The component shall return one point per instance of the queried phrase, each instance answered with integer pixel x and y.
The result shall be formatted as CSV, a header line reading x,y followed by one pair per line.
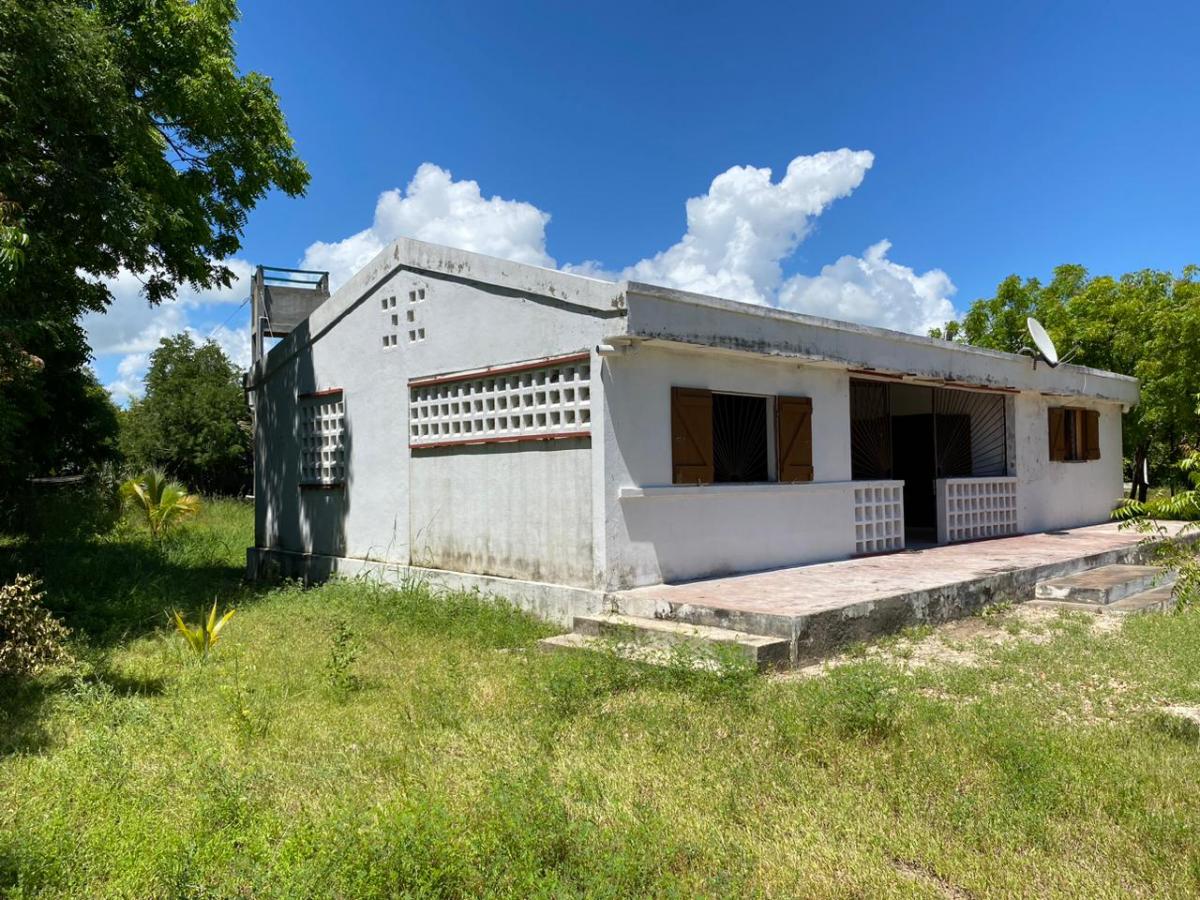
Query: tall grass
x,y
464,763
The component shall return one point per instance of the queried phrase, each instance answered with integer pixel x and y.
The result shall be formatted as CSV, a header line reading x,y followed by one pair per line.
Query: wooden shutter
x,y
691,436
1058,433
793,436
1091,432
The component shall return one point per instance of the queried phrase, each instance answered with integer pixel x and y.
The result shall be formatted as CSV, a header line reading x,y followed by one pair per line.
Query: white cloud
x,y
741,231
132,329
131,371
436,208
873,290
131,325
739,235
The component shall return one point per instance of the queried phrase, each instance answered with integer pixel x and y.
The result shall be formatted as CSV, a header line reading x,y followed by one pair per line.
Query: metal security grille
x,y
739,438
870,430
971,433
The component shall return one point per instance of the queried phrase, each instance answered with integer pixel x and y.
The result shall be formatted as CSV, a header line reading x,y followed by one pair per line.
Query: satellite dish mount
x,y
1043,348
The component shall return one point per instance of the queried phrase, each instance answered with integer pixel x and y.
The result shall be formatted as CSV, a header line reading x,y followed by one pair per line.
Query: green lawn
x,y
449,758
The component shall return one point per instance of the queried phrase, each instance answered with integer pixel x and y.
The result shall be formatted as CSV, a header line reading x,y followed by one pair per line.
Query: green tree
x,y
1145,324
193,421
128,140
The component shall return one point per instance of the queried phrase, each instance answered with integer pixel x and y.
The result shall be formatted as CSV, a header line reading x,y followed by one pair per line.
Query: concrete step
x,y
650,654
1156,599
657,638
1103,586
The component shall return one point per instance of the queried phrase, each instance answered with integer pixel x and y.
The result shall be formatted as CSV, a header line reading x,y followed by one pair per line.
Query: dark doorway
x,y
918,434
913,463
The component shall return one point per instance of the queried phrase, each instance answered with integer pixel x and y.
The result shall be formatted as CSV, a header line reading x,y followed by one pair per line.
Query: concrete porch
x,y
820,607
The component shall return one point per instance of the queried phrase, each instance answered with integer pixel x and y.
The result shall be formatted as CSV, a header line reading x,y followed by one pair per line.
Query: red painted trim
x,y
314,394
935,382
515,439
874,374
317,486
966,385
500,370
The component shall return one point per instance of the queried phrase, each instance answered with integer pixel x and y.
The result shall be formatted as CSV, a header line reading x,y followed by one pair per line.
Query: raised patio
x,y
819,607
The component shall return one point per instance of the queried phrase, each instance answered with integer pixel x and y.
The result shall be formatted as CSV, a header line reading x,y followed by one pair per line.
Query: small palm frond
x,y
162,502
203,636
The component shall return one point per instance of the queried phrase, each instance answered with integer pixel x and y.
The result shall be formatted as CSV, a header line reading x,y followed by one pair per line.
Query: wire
x,y
228,318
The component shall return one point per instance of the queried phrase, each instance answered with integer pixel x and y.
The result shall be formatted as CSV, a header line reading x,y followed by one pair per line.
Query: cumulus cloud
x,y
740,232
874,290
128,384
436,208
132,329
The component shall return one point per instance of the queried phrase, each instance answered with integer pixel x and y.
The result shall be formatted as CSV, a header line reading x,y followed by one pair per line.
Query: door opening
x,y
918,434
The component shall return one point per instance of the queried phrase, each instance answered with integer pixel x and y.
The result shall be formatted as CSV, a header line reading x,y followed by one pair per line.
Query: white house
x,y
552,438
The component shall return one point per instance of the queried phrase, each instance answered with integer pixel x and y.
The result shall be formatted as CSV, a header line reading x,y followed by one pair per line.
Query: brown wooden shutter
x,y
793,435
691,436
1091,431
1058,433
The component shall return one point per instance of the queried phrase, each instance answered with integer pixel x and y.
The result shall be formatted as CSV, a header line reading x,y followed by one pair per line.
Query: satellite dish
x,y
1042,341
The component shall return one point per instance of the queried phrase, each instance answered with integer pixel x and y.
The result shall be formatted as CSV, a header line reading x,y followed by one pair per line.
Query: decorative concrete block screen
x,y
541,400
878,516
322,438
973,508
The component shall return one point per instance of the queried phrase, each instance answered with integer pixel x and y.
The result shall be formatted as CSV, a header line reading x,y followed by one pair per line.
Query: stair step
x,y
656,638
1103,586
649,653
1157,599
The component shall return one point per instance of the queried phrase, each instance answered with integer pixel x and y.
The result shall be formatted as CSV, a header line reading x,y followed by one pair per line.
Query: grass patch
x,y
358,740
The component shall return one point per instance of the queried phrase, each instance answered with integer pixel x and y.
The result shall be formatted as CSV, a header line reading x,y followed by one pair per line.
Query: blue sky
x,y
988,139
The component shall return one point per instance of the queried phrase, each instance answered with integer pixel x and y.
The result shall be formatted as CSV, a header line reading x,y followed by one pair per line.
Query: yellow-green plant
x,y
162,502
203,636
1178,554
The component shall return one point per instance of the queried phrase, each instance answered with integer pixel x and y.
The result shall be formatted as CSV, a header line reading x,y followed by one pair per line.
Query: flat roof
x,y
658,313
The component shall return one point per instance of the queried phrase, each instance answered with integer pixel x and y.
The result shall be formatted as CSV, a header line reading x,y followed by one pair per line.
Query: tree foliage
x,y
193,421
128,140
1145,324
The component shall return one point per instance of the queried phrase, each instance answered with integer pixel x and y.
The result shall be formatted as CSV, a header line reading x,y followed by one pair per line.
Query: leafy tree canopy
x,y
193,421
1145,324
128,139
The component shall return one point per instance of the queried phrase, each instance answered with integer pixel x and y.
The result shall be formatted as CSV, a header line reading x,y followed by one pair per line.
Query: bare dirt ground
x,y
964,642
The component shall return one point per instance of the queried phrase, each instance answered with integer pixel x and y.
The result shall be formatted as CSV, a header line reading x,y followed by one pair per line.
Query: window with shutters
x,y
721,438
1074,434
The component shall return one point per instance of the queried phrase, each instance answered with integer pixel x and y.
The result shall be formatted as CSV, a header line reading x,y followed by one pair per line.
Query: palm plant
x,y
1178,554
203,636
162,502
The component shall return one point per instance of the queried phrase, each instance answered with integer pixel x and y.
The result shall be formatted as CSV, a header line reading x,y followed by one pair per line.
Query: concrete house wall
x,y
1053,495
659,531
518,511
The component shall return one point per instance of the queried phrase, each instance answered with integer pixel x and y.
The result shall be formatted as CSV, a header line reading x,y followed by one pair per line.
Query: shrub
x,y
342,656
30,637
